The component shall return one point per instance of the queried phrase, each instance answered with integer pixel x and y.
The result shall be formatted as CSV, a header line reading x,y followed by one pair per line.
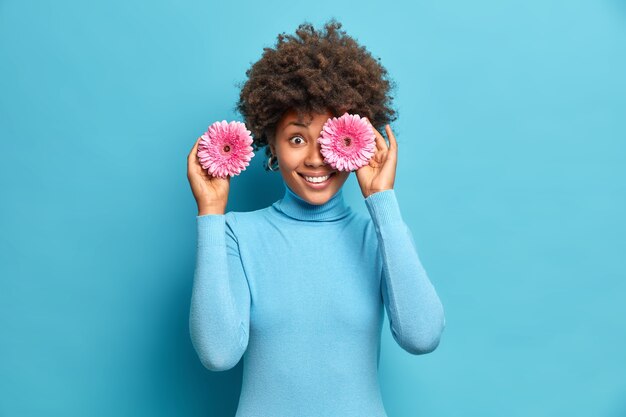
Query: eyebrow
x,y
298,124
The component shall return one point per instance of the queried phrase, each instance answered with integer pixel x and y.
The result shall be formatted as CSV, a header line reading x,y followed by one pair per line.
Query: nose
x,y
314,157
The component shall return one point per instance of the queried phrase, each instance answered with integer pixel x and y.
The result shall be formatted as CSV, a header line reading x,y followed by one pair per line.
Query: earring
x,y
270,164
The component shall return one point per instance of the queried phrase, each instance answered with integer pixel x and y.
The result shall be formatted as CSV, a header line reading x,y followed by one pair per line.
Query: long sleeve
x,y
416,315
219,316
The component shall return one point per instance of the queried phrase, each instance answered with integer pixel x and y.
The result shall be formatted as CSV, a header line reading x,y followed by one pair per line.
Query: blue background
x,y
511,175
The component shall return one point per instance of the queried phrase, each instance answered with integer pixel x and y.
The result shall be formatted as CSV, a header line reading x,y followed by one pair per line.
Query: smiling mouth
x,y
317,180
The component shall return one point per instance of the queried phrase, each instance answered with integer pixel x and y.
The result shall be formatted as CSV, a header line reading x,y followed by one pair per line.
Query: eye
x,y
296,137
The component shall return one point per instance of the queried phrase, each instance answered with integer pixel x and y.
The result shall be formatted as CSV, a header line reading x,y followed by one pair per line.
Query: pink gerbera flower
x,y
225,149
347,142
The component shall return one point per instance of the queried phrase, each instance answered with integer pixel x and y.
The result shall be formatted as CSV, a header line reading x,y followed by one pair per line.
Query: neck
x,y
296,207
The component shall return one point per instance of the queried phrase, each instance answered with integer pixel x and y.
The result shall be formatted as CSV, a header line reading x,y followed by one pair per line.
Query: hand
x,y
211,193
380,173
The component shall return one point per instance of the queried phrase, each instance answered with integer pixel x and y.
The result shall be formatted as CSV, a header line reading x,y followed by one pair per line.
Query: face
x,y
295,145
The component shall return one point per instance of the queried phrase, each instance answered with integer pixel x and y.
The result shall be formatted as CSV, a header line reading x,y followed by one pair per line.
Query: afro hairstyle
x,y
313,72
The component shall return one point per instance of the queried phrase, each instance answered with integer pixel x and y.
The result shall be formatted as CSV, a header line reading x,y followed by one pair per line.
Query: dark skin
x,y
380,173
211,193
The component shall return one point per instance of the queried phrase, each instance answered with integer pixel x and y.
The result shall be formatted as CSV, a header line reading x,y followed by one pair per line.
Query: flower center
x,y
226,148
347,141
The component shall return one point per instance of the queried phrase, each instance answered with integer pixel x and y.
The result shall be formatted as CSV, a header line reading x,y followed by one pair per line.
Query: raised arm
x,y
219,318
416,315
219,315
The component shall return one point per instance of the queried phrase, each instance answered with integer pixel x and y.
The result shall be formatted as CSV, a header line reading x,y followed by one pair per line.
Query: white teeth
x,y
316,179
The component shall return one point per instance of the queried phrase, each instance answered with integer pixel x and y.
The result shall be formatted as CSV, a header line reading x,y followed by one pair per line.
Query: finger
x,y
388,170
393,144
195,145
380,140
194,150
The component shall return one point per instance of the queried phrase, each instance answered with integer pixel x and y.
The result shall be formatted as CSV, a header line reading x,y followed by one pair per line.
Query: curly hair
x,y
312,72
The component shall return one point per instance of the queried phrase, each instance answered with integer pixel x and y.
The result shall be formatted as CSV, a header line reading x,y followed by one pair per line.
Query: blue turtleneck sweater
x,y
298,290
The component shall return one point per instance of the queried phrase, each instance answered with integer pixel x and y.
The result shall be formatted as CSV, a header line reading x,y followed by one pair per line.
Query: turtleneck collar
x,y
294,206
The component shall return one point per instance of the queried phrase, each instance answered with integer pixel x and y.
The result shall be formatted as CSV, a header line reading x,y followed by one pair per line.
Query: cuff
x,y
211,229
383,207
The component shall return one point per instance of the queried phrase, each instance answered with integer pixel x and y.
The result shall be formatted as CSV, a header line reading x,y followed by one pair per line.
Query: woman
x,y
299,288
